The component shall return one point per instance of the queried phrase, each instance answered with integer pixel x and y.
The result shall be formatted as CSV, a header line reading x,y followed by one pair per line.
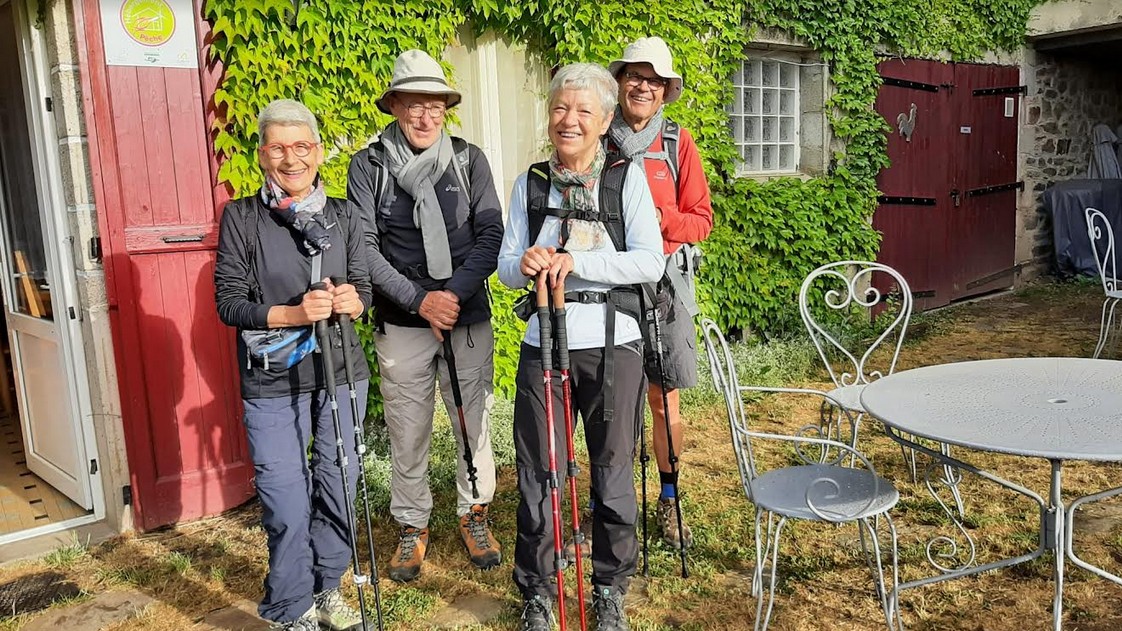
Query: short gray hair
x,y
286,112
593,77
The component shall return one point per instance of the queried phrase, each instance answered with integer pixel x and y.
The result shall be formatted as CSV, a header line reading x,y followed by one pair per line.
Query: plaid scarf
x,y
305,215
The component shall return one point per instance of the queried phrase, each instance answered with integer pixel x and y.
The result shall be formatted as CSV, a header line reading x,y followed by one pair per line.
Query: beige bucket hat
x,y
415,71
654,51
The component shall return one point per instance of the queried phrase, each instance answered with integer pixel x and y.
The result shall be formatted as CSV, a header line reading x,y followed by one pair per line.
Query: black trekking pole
x,y
546,341
346,330
672,456
327,361
561,336
458,399
644,460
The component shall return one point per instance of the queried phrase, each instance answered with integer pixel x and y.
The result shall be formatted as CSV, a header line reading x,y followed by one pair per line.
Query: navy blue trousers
x,y
303,511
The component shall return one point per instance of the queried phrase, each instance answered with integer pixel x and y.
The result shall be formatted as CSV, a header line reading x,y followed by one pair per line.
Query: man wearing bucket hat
x,y
433,230
647,81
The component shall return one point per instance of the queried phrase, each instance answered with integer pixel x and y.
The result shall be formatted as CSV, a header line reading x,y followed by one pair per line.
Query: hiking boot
x,y
334,613
607,603
537,613
586,540
667,516
475,529
405,565
306,622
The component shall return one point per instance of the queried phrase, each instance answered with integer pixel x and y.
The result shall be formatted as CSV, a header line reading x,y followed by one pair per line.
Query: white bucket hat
x,y
415,71
654,51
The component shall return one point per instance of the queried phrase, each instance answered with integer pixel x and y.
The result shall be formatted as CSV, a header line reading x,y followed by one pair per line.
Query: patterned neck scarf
x,y
305,215
577,193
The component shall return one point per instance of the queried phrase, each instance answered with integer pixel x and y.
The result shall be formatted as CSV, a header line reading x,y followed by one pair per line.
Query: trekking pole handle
x,y
545,327
323,334
450,359
560,331
348,363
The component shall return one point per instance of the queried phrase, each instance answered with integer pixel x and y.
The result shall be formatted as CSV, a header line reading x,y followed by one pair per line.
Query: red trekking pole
x,y
562,338
546,340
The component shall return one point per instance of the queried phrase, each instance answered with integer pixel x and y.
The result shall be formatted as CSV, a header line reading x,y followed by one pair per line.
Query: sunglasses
x,y
655,83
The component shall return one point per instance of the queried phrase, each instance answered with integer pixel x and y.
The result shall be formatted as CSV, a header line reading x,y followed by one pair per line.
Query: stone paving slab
x,y
467,610
93,615
240,616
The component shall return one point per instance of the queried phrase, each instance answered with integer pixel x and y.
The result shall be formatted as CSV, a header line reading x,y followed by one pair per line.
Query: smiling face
x,y
638,98
295,174
576,121
420,116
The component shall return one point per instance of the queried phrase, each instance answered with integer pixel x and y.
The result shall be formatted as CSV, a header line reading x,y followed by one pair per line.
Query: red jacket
x,y
687,214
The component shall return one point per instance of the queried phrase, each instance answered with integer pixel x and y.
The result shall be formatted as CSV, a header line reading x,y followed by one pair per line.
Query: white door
x,y
34,305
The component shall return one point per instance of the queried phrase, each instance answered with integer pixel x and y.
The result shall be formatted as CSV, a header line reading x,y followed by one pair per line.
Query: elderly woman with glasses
x,y
584,220
273,246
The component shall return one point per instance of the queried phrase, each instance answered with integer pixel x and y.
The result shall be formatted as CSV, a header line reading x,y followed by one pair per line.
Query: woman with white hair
x,y
273,246
584,220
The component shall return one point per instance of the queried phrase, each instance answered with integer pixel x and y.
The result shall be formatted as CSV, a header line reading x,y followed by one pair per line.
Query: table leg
x,y
1054,540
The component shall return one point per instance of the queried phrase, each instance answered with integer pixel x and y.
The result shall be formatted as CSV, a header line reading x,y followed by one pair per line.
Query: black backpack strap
x,y
537,198
611,199
250,231
462,164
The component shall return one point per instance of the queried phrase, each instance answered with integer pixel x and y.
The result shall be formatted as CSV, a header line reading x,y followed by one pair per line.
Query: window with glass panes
x,y
765,115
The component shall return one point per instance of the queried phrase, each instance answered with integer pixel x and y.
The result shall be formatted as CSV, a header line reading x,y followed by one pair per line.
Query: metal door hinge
x,y
93,466
986,190
95,249
904,200
1013,89
50,104
911,85
72,312
126,495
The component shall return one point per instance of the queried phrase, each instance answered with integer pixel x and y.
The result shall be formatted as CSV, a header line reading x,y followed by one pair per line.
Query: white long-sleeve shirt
x,y
599,269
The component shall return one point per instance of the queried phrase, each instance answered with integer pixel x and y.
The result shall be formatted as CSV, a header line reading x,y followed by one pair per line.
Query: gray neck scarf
x,y
633,143
417,175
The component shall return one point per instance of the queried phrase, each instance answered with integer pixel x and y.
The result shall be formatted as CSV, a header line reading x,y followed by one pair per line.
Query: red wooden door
x,y
983,227
947,209
154,174
914,202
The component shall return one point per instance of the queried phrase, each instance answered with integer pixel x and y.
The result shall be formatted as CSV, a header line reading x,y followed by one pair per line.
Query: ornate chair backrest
x,y
1102,246
818,493
723,372
877,291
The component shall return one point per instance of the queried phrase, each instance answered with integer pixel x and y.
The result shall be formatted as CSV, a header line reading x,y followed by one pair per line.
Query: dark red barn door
x,y
947,209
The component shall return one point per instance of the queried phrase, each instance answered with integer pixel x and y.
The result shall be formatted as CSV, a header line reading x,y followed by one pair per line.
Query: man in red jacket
x,y
676,178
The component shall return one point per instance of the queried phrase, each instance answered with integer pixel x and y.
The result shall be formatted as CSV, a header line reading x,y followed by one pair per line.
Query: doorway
x,y
48,464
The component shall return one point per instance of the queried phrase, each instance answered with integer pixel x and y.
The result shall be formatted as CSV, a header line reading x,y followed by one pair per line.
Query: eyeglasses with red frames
x,y
300,149
635,78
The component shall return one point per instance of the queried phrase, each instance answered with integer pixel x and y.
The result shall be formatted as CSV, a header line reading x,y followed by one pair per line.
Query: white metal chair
x,y
812,490
1102,246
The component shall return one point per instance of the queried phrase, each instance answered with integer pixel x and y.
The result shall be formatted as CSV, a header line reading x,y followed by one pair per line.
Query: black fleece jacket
x,y
282,268
396,249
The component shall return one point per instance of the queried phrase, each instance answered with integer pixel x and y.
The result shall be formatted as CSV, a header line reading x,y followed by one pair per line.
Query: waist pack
x,y
278,349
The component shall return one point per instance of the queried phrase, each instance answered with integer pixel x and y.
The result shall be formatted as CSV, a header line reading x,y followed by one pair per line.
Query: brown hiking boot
x,y
586,539
667,516
405,565
475,528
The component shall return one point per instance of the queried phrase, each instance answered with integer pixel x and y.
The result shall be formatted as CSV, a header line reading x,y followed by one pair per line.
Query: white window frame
x,y
765,114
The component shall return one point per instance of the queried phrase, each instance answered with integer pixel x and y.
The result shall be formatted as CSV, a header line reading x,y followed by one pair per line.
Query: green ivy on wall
x,y
337,57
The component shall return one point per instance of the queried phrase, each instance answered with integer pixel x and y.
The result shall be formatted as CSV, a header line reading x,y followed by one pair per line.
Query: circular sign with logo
x,y
148,22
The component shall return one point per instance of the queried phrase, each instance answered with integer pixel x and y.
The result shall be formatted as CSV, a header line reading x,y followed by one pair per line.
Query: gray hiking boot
x,y
334,613
537,613
306,622
608,605
667,517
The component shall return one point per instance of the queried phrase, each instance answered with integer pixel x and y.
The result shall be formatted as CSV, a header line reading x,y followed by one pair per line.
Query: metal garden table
x,y
1056,409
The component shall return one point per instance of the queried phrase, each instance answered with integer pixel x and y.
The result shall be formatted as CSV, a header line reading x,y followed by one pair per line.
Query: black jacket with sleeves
x,y
282,268
396,249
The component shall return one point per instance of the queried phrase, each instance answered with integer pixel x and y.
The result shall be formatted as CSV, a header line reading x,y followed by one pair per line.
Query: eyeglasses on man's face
x,y
300,149
636,78
435,110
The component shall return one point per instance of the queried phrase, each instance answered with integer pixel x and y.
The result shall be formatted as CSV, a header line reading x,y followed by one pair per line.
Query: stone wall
x,y
1066,97
60,42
